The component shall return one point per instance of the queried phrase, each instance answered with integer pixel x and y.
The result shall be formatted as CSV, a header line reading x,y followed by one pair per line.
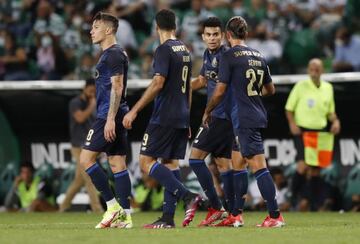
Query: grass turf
x,y
67,228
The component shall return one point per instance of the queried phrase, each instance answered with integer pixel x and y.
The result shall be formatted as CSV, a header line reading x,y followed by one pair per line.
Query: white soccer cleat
x,y
110,216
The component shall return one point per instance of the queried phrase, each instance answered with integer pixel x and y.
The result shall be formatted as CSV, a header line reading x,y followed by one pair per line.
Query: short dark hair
x,y
89,82
237,26
108,18
29,165
166,20
212,22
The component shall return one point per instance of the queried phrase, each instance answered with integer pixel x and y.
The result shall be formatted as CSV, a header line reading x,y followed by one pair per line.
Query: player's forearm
x,y
290,117
149,95
216,97
198,83
115,99
332,117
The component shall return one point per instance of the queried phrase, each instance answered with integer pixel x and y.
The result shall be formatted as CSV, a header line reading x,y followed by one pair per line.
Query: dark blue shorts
x,y
164,142
95,140
217,139
250,141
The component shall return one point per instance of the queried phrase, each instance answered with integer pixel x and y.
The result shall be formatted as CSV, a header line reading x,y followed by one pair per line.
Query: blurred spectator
x,y
270,48
82,115
30,193
50,58
86,68
347,49
47,20
310,108
13,59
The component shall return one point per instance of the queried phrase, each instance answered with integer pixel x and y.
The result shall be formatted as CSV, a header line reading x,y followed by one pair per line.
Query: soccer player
x,y
166,135
107,134
218,138
247,75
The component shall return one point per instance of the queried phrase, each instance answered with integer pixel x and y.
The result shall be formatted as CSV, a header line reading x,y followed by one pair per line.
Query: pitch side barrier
x,y
37,114
143,83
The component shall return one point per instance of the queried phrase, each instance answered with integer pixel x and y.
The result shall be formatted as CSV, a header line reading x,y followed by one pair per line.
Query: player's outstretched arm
x,y
151,92
216,98
115,98
198,83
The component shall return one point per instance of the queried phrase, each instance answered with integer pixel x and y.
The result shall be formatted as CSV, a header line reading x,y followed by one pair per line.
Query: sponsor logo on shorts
x,y
143,148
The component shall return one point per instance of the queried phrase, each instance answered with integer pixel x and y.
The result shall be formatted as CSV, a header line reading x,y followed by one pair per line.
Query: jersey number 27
x,y
251,74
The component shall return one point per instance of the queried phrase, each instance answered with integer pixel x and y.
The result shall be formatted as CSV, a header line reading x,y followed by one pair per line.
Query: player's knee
x,y
144,164
198,154
86,160
223,164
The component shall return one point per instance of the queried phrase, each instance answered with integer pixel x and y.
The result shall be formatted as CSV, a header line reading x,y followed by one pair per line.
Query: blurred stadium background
x,y
46,53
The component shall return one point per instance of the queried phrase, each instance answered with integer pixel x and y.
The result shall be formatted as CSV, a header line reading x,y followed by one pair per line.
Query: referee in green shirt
x,y
310,106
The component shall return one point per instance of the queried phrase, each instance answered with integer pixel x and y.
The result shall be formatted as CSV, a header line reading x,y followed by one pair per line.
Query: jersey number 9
x,y
184,76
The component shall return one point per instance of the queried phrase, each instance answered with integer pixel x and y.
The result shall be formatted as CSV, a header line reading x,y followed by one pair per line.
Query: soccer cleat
x,y
111,214
123,222
212,216
191,207
270,222
160,224
231,221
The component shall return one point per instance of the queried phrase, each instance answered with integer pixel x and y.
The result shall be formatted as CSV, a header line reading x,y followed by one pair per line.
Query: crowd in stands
x,y
49,39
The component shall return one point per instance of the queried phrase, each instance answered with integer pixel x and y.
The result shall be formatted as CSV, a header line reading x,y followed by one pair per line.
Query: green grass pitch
x,y
68,228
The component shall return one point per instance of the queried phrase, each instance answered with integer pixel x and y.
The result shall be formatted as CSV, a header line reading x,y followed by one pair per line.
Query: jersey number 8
x,y
251,89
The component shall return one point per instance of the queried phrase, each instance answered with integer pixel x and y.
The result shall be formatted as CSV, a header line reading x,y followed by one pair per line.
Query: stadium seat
x,y
300,47
331,174
7,177
353,182
45,171
66,178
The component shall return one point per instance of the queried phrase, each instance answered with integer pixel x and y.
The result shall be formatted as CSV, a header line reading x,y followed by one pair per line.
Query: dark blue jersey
x,y
113,61
245,71
171,108
210,71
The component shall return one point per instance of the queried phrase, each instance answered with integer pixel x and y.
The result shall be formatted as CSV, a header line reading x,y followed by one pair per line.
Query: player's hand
x,y
206,119
128,119
335,127
92,102
295,130
109,130
17,181
189,135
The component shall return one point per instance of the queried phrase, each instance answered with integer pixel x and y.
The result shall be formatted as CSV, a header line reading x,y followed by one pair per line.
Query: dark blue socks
x,y
100,180
228,182
123,188
267,190
240,189
170,200
167,179
206,181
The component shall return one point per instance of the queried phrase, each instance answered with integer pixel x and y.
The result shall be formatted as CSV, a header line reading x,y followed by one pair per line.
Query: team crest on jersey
x,y
96,74
311,103
214,62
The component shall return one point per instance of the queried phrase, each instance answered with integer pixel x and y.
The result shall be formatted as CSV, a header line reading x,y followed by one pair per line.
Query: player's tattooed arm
x,y
216,98
115,99
198,83
115,95
149,95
